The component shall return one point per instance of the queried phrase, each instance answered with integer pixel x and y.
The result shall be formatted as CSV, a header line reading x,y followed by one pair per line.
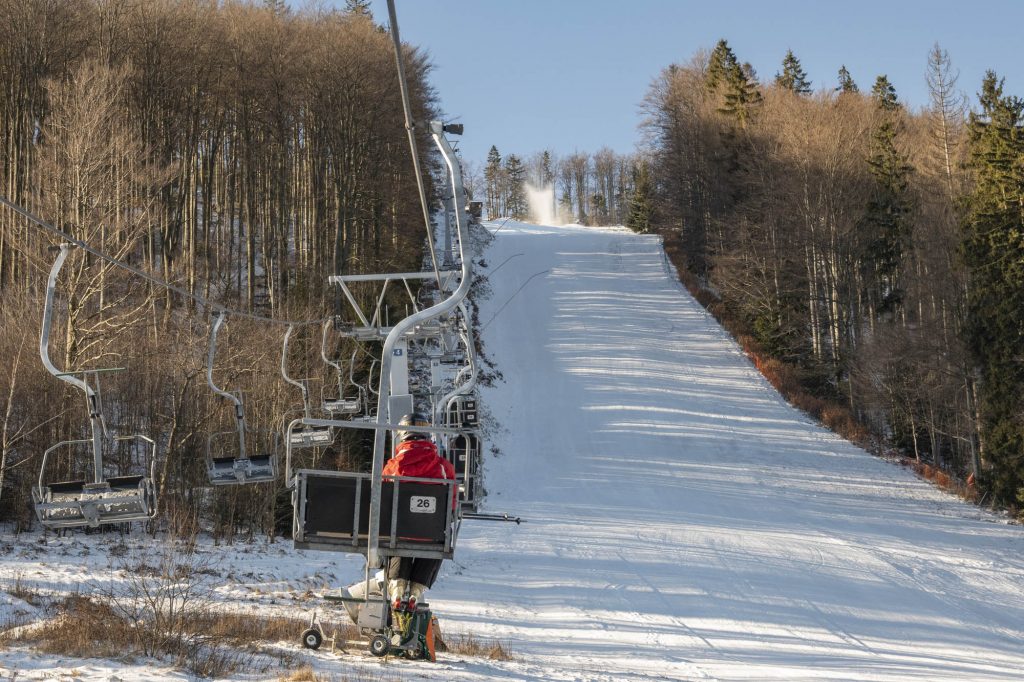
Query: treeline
x,y
240,150
870,254
590,189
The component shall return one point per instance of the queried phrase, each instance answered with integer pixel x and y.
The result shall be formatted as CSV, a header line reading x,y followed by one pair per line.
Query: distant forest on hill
x,y
871,258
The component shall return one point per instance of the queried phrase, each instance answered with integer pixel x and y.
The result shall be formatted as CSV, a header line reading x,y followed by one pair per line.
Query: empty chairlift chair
x,y
103,499
241,467
351,404
306,436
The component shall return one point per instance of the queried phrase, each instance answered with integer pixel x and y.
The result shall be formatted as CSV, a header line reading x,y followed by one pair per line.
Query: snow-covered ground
x,y
683,522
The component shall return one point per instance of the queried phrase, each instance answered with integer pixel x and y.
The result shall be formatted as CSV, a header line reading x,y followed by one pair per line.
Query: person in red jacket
x,y
415,456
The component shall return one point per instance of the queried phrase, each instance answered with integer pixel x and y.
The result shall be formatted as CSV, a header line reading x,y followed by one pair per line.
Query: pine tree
x,y
547,171
993,249
515,172
887,220
884,94
740,95
735,83
846,84
793,77
641,202
721,62
359,8
493,176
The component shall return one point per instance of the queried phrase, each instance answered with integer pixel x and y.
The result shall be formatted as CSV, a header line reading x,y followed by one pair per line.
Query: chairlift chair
x,y
80,503
242,468
308,436
368,513
354,403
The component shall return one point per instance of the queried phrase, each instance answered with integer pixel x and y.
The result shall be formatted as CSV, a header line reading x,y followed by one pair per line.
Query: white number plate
x,y
422,504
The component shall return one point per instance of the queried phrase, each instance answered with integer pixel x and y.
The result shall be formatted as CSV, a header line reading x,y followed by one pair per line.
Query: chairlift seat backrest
x,y
124,481
332,512
343,405
66,487
312,435
232,470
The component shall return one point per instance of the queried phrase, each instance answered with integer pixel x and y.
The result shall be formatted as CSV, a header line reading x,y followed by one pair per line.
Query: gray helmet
x,y
414,419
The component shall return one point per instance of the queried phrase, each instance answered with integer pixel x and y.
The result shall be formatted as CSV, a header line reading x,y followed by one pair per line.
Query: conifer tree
x,y
884,94
493,177
720,64
847,86
740,95
547,171
358,8
793,76
641,202
515,172
993,249
887,220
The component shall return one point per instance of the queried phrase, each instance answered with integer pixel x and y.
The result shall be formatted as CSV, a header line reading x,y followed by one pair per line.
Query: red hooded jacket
x,y
419,459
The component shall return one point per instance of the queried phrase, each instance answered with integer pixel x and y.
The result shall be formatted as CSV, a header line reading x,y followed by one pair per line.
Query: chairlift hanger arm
x,y
284,371
44,335
409,323
219,318
218,321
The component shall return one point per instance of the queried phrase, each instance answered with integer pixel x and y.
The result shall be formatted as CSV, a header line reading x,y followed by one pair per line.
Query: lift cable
x,y
211,305
410,129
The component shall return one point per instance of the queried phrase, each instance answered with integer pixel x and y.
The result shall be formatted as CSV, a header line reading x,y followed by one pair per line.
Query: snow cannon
x,y
408,631
354,596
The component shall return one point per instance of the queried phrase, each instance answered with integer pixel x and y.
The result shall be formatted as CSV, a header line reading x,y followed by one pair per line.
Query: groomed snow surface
x,y
683,522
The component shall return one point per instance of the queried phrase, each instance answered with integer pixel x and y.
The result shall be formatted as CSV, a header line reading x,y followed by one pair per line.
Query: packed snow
x,y
682,522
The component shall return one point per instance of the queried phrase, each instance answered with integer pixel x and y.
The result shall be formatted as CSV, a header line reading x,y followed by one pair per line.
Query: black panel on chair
x,y
414,521
330,504
458,450
124,481
67,487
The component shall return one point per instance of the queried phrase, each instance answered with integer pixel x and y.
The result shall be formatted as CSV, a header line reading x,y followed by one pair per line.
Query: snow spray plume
x,y
543,210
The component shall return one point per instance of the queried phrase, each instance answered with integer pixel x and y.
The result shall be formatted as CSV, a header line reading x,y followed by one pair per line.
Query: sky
x,y
568,75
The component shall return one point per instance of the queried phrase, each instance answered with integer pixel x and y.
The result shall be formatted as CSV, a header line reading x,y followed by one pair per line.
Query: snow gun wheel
x,y
379,646
312,639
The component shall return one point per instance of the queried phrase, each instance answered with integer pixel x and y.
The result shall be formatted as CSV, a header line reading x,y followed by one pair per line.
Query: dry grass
x,y
88,627
25,593
303,674
240,628
470,645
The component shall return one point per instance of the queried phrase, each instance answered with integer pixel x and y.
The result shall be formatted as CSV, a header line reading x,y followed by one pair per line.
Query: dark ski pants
x,y
416,570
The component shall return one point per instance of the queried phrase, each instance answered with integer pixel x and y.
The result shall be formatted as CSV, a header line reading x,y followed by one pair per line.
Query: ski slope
x,y
684,522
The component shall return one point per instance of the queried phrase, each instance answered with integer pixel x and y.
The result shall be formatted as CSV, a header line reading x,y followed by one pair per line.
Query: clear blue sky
x,y
569,74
